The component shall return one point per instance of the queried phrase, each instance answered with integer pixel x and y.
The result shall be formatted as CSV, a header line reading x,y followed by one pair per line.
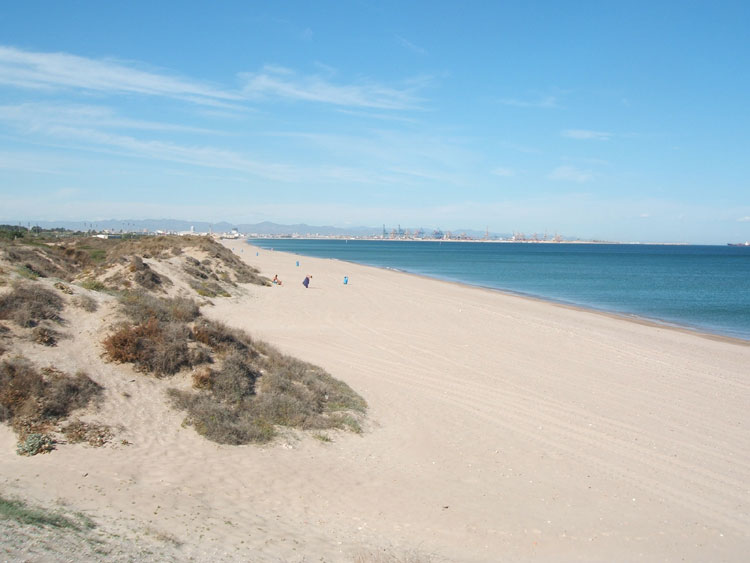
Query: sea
x,y
703,288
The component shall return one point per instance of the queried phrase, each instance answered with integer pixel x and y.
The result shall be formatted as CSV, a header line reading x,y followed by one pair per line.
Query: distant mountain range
x,y
264,228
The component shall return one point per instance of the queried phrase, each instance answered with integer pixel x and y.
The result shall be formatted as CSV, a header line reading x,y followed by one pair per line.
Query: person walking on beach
x,y
306,281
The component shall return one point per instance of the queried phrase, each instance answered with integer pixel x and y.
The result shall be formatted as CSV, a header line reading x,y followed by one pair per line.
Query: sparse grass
x,y
19,511
26,272
28,303
389,556
93,285
209,289
140,307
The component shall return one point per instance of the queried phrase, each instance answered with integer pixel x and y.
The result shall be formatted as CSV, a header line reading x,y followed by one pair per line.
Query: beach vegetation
x,y
85,302
19,511
29,303
242,389
32,401
45,336
93,434
257,389
93,285
35,443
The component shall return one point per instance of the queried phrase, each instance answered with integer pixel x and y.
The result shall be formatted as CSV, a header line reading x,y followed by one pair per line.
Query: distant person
x,y
306,281
276,279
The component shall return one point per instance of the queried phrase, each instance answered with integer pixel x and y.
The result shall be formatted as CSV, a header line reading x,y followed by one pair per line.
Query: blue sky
x,y
618,121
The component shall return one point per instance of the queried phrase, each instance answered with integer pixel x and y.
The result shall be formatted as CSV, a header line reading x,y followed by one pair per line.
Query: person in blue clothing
x,y
306,281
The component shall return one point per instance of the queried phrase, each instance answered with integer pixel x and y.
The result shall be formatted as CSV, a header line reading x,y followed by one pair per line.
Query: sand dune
x,y
500,428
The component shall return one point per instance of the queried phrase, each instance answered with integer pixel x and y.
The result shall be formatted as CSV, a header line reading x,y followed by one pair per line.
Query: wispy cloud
x,y
571,174
503,172
53,71
744,219
35,116
411,46
285,83
546,102
586,135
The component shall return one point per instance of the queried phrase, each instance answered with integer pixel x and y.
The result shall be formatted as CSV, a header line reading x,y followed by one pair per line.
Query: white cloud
x,y
411,46
35,116
571,174
52,71
744,219
504,172
586,135
284,83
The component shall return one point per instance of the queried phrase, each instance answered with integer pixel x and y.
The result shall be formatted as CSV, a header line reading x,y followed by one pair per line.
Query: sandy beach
x,y
499,428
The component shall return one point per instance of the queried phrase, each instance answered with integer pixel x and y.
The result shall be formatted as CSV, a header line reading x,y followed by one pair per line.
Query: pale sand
x,y
500,429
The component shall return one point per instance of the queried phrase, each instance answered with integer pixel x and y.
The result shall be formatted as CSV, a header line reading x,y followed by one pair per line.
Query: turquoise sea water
x,y
706,288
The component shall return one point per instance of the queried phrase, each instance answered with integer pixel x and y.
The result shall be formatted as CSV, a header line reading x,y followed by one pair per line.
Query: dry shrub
x,y
235,380
45,336
141,306
221,338
93,434
202,378
154,346
28,303
64,288
41,261
257,388
31,402
63,393
149,279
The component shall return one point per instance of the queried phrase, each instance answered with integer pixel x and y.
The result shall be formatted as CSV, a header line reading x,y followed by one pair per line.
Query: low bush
x,y
257,389
45,336
35,444
28,303
141,306
93,434
221,338
153,346
31,401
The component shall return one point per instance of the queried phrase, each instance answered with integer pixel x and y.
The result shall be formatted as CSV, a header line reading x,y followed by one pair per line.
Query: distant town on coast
x,y
118,228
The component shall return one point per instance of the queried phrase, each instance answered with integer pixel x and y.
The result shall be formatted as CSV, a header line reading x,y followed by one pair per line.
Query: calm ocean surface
x,y
701,287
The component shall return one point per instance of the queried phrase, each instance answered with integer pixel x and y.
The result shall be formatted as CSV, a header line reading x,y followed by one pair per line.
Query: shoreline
x,y
630,317
504,427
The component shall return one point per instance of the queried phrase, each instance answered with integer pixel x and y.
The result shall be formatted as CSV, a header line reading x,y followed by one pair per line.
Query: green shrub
x,y
35,444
